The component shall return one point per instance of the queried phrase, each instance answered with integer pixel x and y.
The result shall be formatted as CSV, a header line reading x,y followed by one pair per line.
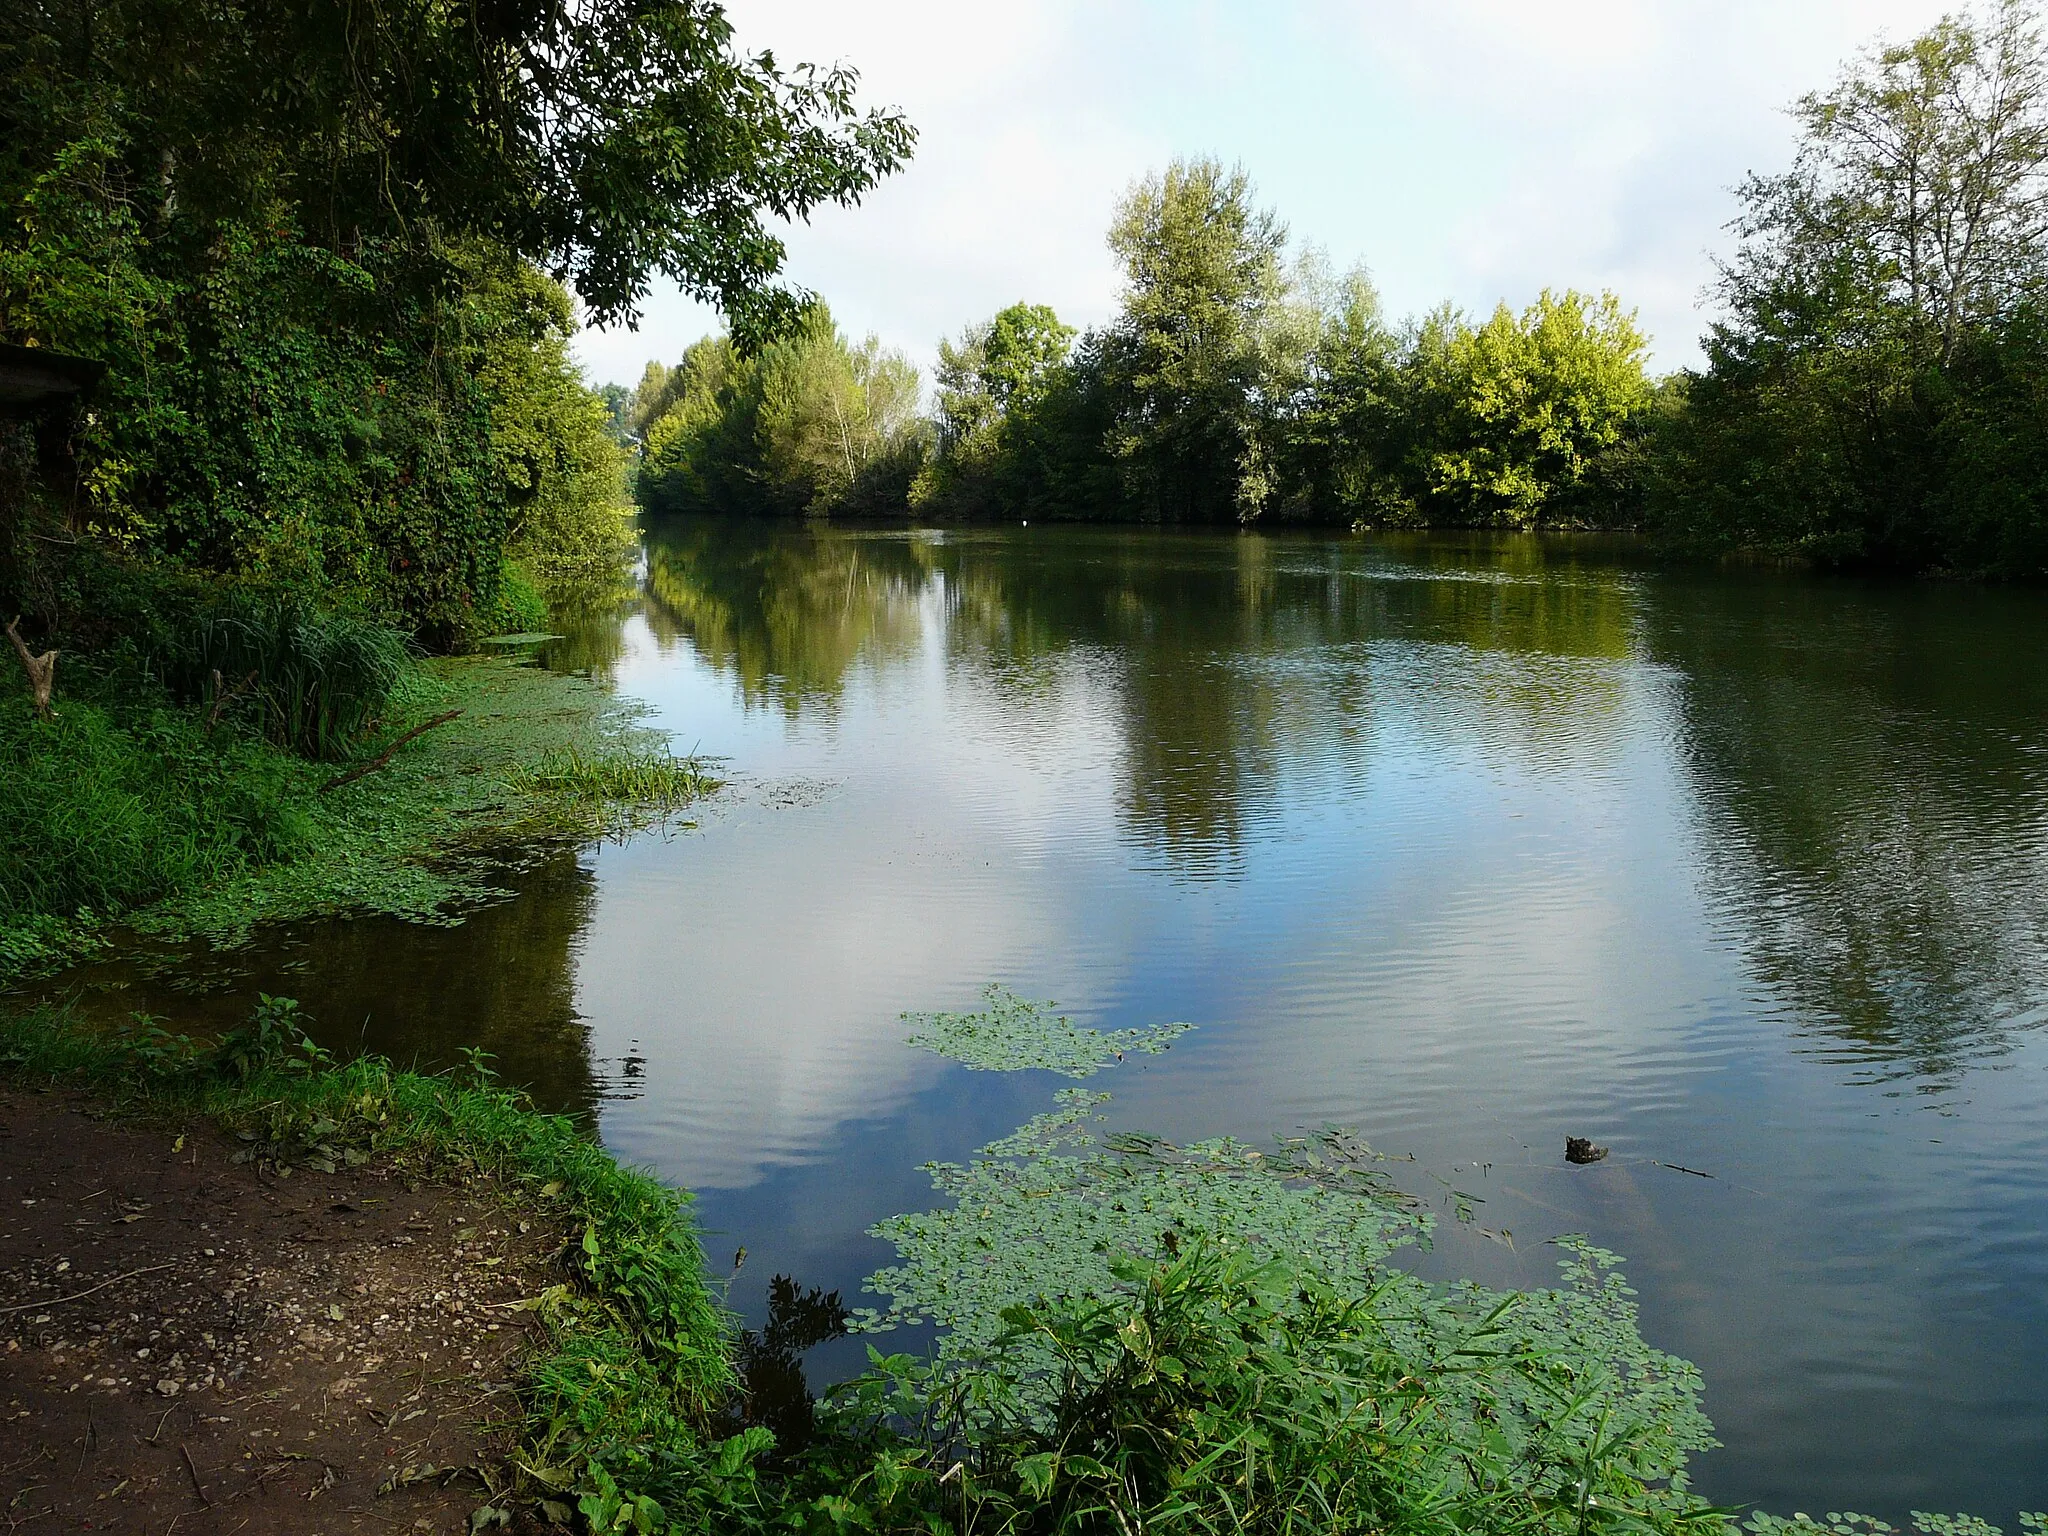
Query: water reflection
x,y
785,608
504,982
1867,760
1870,771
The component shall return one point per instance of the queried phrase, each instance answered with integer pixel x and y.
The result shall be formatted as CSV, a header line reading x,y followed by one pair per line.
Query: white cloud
x,y
1466,149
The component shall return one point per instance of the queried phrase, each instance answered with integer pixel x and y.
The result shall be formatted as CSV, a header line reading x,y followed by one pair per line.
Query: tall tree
x,y
1185,362
291,230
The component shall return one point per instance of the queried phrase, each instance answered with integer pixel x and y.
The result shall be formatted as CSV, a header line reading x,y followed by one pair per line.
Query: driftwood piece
x,y
224,695
389,752
42,670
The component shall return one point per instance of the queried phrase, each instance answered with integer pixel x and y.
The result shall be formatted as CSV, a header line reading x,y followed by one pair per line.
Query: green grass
x,y
102,815
623,775
141,817
315,679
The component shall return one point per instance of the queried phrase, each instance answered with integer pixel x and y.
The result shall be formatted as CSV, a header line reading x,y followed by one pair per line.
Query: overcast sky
x,y
1471,150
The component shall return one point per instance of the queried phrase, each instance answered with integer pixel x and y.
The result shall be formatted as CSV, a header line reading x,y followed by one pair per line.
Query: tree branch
x,y
42,670
388,753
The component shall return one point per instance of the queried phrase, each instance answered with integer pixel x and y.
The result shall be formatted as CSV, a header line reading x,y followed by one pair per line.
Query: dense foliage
x,y
1233,386
320,250
805,423
1877,389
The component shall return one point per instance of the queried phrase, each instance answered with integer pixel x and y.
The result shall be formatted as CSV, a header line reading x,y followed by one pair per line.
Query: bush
x,y
303,669
1228,1393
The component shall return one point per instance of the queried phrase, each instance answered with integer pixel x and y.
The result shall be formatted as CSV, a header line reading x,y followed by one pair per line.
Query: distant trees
x,y
1523,421
1187,367
1875,391
1877,388
1235,386
807,423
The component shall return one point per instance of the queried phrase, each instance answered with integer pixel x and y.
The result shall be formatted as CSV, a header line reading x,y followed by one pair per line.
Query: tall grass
x,y
298,663
316,677
621,774
99,815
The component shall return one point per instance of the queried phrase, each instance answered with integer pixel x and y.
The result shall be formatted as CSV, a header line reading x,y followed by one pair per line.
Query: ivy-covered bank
x,y
1140,1337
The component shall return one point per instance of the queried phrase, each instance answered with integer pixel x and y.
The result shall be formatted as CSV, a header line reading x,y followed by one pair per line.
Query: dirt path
x,y
189,1345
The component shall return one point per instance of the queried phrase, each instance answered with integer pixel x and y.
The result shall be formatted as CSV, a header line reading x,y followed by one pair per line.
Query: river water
x,y
1468,843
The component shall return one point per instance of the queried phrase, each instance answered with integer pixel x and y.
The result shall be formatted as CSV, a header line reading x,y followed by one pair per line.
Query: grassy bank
x,y
640,1351
198,819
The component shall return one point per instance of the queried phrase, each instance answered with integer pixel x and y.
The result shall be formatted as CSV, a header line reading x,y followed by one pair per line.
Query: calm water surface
x,y
1466,843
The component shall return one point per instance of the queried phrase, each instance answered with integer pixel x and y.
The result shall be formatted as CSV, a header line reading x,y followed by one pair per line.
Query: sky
x,y
1470,150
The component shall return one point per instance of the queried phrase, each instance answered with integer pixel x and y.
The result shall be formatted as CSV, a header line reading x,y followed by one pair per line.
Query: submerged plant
x,y
1013,1033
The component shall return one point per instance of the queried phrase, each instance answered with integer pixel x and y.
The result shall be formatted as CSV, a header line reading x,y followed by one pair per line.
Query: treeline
x,y
321,251
1235,386
1875,390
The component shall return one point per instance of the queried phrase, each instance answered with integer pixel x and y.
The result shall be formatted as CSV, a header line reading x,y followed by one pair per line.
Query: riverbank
x,y
191,1339
342,1282
208,831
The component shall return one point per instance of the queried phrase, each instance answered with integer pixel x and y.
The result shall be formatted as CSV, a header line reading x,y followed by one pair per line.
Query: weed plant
x,y
1013,1033
625,775
316,678
293,664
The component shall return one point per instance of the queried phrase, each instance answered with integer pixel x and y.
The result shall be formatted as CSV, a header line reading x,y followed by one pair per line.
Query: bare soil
x,y
191,1345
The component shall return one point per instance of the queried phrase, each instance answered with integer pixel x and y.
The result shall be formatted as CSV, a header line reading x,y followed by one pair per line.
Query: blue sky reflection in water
x,y
1466,843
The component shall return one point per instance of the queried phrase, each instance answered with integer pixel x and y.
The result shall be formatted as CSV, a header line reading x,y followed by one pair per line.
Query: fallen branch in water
x,y
389,752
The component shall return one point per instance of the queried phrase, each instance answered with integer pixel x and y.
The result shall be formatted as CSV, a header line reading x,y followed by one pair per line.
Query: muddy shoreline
x,y
193,1340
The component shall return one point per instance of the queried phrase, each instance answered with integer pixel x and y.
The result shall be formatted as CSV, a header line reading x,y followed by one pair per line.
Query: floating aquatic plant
x,y
1039,1214
1013,1034
1054,1277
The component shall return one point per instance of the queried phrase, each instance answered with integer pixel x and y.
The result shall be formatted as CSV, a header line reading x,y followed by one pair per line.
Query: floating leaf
x,y
1014,1034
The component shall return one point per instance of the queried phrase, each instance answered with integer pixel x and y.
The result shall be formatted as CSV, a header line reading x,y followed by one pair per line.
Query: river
x,y
1469,843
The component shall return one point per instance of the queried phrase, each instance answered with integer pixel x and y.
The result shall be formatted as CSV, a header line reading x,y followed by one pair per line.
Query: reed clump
x,y
651,776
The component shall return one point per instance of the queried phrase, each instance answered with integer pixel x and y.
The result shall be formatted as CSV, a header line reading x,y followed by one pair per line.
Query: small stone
x,y
168,1387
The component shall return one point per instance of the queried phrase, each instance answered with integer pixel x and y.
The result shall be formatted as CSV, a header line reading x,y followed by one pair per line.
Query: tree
x,y
1185,364
605,140
1921,183
288,230
1518,412
805,424
1871,383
